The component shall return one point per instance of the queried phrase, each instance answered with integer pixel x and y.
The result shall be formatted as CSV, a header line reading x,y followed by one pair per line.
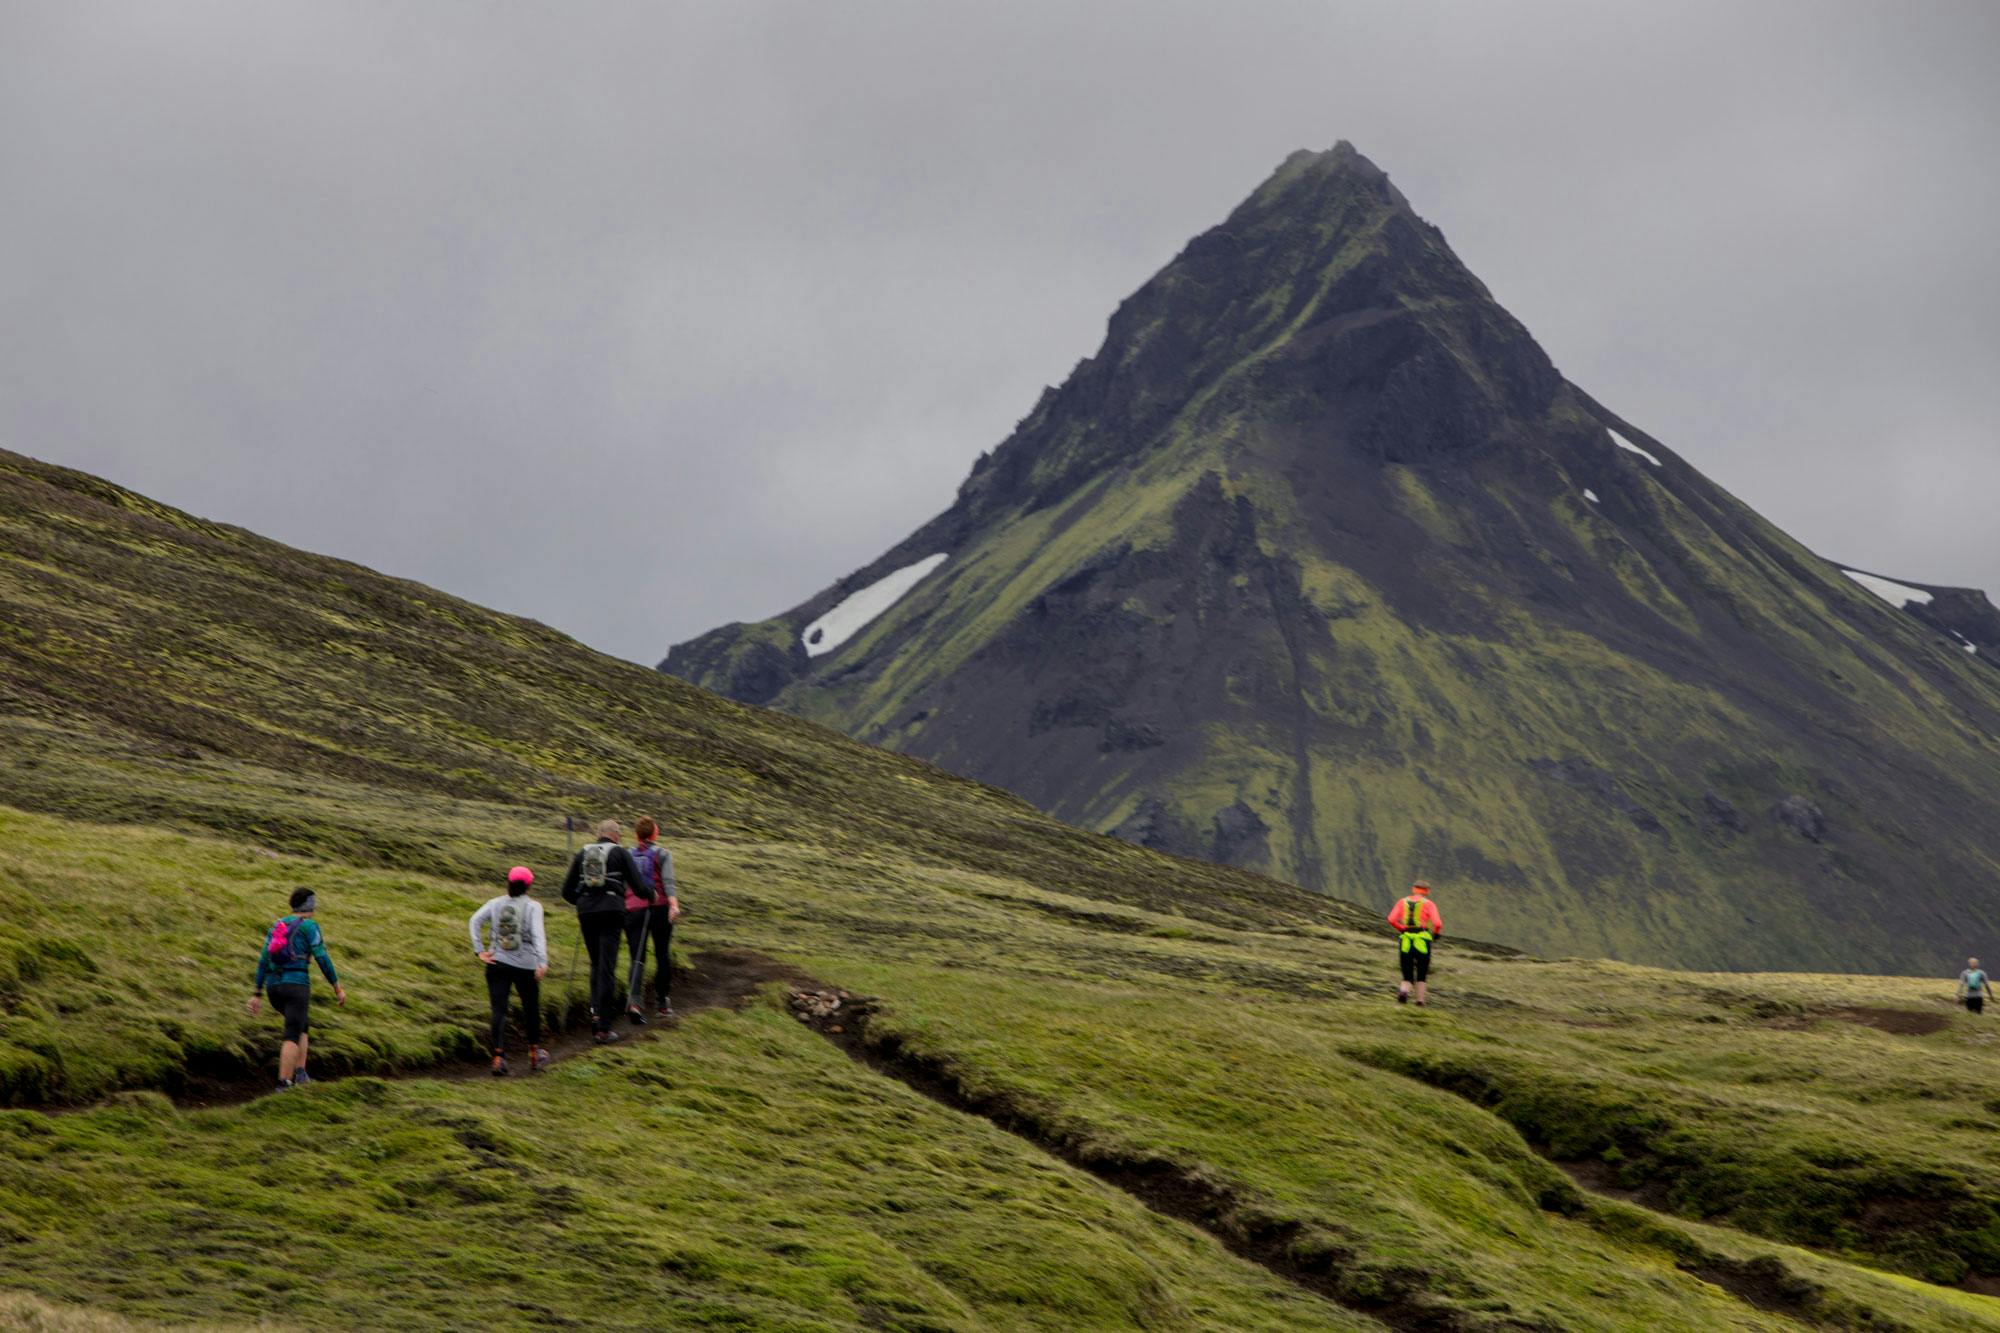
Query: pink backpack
x,y
286,943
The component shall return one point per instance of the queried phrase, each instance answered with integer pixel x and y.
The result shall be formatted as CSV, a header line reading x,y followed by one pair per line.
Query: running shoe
x,y
1402,997
538,1060
636,1014
300,1079
284,1085
499,1064
605,1038
666,1010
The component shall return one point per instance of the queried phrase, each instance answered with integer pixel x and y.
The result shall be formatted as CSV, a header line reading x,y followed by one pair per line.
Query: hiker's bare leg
x,y
305,1044
1423,992
288,1061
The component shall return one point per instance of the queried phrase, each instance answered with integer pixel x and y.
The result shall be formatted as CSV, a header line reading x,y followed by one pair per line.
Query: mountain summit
x,y
1321,568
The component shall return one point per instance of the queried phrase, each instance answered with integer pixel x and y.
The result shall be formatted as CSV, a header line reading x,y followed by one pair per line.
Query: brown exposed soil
x,y
1764,1283
1897,1022
1602,1178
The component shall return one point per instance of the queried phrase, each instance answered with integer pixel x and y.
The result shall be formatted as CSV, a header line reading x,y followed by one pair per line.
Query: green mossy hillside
x,y
1156,1030
1245,1056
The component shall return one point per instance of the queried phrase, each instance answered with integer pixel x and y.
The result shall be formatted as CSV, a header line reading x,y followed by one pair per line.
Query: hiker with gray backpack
x,y
599,874
516,958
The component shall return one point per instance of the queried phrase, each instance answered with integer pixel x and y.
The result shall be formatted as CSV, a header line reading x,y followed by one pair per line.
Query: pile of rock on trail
x,y
822,1008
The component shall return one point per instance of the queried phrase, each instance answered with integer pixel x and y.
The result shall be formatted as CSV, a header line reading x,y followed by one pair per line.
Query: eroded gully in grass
x,y
1765,1282
1169,1188
1163,1186
731,979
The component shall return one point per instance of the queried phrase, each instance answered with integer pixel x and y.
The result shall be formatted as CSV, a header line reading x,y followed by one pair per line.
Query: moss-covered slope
x,y
1221,1121
1319,567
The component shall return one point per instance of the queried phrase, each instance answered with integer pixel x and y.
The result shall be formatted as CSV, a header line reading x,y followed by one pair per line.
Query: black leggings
x,y
502,979
600,937
640,926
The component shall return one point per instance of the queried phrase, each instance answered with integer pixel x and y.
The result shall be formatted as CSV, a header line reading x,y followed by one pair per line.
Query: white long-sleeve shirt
x,y
534,950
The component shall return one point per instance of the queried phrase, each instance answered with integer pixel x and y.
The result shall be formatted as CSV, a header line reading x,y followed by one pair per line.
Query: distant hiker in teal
x,y
599,874
284,972
651,917
516,958
1417,924
1972,986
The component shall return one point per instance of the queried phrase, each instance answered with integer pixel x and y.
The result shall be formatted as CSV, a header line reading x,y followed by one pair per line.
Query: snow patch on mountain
x,y
1895,594
1630,447
857,609
1590,496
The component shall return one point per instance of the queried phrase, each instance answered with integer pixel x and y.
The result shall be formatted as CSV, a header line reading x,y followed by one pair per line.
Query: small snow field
x,y
1590,496
1895,594
854,612
1630,447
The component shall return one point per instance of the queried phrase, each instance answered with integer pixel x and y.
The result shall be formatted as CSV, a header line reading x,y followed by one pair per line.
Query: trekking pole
x,y
569,986
637,974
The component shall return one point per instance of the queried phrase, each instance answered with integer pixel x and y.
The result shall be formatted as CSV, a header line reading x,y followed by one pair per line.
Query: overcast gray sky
x,y
442,288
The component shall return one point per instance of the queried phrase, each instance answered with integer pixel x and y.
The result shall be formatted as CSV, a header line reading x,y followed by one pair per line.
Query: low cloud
x,y
637,319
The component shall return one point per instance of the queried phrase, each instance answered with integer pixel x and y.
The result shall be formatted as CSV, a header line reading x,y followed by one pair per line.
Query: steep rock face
x,y
1319,567
1966,615
1963,615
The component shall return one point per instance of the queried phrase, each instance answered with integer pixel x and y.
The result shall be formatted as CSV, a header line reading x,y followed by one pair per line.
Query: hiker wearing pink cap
x,y
516,958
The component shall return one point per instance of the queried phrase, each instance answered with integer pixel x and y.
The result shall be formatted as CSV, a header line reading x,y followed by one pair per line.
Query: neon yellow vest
x,y
1415,935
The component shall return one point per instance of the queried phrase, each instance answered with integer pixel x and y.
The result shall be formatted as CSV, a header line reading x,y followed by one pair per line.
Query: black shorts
x,y
1976,1003
1416,964
295,1003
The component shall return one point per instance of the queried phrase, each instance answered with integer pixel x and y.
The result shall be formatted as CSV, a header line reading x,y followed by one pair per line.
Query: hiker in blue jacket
x,y
284,972
1972,986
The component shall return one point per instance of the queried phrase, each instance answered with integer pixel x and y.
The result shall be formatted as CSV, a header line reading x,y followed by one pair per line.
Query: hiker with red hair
x,y
651,920
1417,924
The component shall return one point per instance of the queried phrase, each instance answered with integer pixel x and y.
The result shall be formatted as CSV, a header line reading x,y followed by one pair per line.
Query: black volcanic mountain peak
x,y
1320,567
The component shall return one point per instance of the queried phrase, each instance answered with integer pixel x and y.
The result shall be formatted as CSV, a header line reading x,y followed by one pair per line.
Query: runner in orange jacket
x,y
1417,923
